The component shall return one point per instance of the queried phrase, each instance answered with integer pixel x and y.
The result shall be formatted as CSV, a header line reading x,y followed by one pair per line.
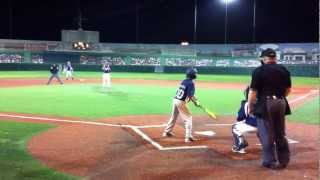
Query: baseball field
x,y
80,130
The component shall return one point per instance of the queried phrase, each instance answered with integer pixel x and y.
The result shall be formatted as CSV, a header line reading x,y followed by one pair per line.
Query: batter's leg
x,y
187,119
172,121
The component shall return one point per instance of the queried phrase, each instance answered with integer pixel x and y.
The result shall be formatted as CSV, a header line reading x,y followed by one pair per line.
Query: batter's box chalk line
x,y
290,141
136,129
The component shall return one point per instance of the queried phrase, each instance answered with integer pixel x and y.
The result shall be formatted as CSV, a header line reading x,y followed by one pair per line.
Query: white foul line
x,y
304,96
62,120
290,102
134,128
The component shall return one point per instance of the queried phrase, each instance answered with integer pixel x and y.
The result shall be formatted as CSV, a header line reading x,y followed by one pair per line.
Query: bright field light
x,y
227,1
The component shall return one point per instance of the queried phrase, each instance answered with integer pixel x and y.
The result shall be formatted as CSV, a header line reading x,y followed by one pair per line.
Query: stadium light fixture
x,y
227,1
184,43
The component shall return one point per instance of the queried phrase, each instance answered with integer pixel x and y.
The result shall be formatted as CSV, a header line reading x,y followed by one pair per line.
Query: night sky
x,y
163,21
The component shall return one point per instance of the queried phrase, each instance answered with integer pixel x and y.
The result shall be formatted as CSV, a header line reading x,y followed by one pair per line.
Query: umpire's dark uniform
x,y
54,74
271,83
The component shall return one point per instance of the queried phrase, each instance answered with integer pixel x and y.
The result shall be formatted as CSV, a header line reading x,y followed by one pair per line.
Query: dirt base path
x,y
113,149
95,151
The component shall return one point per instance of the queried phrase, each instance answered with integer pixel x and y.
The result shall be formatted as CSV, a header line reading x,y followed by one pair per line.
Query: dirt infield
x,y
105,152
112,148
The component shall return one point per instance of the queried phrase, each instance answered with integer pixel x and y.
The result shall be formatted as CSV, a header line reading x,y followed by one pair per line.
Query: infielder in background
x,y
69,70
184,94
54,74
246,124
106,77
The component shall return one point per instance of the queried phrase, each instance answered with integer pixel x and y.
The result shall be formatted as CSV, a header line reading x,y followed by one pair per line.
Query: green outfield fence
x,y
295,70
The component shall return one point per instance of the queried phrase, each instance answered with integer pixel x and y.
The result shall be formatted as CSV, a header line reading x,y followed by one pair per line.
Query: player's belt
x,y
274,97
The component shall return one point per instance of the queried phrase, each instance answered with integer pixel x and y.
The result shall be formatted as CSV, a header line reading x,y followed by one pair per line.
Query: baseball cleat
x,y
238,150
190,139
167,134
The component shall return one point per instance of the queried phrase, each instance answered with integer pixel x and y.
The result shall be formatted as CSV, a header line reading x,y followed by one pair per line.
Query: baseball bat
x,y
210,113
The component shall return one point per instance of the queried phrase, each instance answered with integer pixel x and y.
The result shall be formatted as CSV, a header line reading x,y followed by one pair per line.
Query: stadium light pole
x,y
226,2
10,17
195,22
254,22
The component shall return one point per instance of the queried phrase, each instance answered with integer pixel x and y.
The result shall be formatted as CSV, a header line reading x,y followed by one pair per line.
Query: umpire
x,y
270,85
54,74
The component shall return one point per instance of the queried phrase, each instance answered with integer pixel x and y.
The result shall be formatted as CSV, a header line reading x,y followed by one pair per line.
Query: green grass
x,y
309,113
15,162
297,81
90,101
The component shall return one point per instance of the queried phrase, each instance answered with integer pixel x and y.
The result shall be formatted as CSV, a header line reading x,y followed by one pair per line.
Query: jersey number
x,y
180,93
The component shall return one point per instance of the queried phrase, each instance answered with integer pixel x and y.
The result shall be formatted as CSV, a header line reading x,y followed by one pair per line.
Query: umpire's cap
x,y
191,73
268,53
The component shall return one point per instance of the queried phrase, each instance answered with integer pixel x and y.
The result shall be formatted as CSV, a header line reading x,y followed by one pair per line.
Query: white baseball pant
x,y
69,74
241,128
106,80
180,108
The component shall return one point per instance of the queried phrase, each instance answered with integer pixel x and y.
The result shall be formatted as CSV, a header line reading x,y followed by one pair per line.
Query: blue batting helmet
x,y
191,73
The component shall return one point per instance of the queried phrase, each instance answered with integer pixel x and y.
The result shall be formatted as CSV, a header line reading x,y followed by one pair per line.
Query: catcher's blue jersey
x,y
186,89
242,115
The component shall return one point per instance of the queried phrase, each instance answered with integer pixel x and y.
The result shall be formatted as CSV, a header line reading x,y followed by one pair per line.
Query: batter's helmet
x,y
191,73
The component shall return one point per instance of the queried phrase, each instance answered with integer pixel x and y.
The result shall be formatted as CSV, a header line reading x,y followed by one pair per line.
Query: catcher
x,y
246,124
184,94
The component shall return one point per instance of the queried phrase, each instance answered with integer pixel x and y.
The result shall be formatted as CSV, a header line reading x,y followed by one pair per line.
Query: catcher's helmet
x,y
191,73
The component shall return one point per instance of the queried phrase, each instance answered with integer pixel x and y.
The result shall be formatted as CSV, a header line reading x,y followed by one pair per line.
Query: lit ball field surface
x,y
91,101
86,101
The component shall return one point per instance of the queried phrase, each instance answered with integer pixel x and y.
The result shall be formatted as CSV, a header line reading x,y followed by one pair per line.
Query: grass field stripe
x,y
304,96
147,138
184,148
62,120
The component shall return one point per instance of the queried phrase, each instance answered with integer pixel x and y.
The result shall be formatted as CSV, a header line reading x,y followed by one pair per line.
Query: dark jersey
x,y
106,69
54,69
186,89
270,79
69,68
243,116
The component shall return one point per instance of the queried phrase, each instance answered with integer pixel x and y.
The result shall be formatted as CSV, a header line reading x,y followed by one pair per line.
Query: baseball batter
x,y
106,77
69,70
184,94
245,124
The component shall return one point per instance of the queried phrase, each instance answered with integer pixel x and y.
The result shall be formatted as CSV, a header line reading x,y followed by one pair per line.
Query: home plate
x,y
205,133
